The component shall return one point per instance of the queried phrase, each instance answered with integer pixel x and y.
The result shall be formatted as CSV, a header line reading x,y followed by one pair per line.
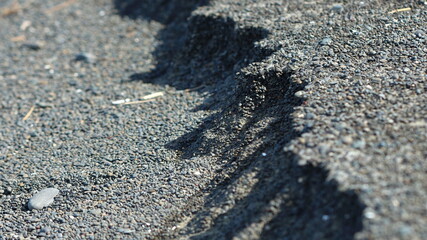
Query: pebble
x,y
370,214
300,94
325,41
325,217
324,149
125,230
85,57
43,198
420,34
337,8
405,230
96,212
347,139
359,144
310,116
45,105
31,46
45,230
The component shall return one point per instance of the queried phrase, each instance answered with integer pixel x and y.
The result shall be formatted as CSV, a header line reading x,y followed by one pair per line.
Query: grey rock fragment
x,y
337,8
125,230
43,198
45,105
45,230
300,94
359,144
85,57
420,34
96,212
325,41
32,46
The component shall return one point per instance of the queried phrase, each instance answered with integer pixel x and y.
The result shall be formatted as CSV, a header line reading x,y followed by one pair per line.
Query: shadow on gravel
x,y
195,51
285,200
281,200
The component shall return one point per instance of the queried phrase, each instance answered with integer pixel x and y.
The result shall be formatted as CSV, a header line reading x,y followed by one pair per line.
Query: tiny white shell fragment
x,y
43,198
153,95
25,24
125,230
370,214
299,94
121,101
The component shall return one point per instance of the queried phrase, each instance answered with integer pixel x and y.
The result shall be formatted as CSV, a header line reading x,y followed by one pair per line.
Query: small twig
x,y
60,6
29,113
153,95
400,10
19,38
121,101
146,98
14,8
137,102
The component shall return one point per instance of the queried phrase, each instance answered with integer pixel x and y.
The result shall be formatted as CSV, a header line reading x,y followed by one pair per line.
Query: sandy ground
x,y
214,119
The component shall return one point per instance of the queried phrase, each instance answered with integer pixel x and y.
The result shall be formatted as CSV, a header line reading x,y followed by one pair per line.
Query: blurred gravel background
x,y
276,120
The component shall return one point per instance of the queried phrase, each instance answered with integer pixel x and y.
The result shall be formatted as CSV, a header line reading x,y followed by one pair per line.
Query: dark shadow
x,y
309,206
163,11
196,51
316,209
174,15
253,124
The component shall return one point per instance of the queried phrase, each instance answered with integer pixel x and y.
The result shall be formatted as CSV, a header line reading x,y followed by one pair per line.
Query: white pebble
x,y
86,57
370,214
125,230
299,94
121,101
325,41
43,198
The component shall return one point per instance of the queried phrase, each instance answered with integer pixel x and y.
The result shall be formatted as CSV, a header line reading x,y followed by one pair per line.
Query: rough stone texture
x,y
281,119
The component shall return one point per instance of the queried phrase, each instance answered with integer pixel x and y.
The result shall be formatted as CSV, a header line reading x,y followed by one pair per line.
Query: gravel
x,y
276,119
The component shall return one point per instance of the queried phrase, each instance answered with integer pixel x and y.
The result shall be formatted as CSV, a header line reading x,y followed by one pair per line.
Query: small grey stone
x,y
125,230
324,149
337,8
43,198
45,105
405,230
300,94
96,212
325,41
420,34
310,116
85,57
347,139
31,46
359,144
45,230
